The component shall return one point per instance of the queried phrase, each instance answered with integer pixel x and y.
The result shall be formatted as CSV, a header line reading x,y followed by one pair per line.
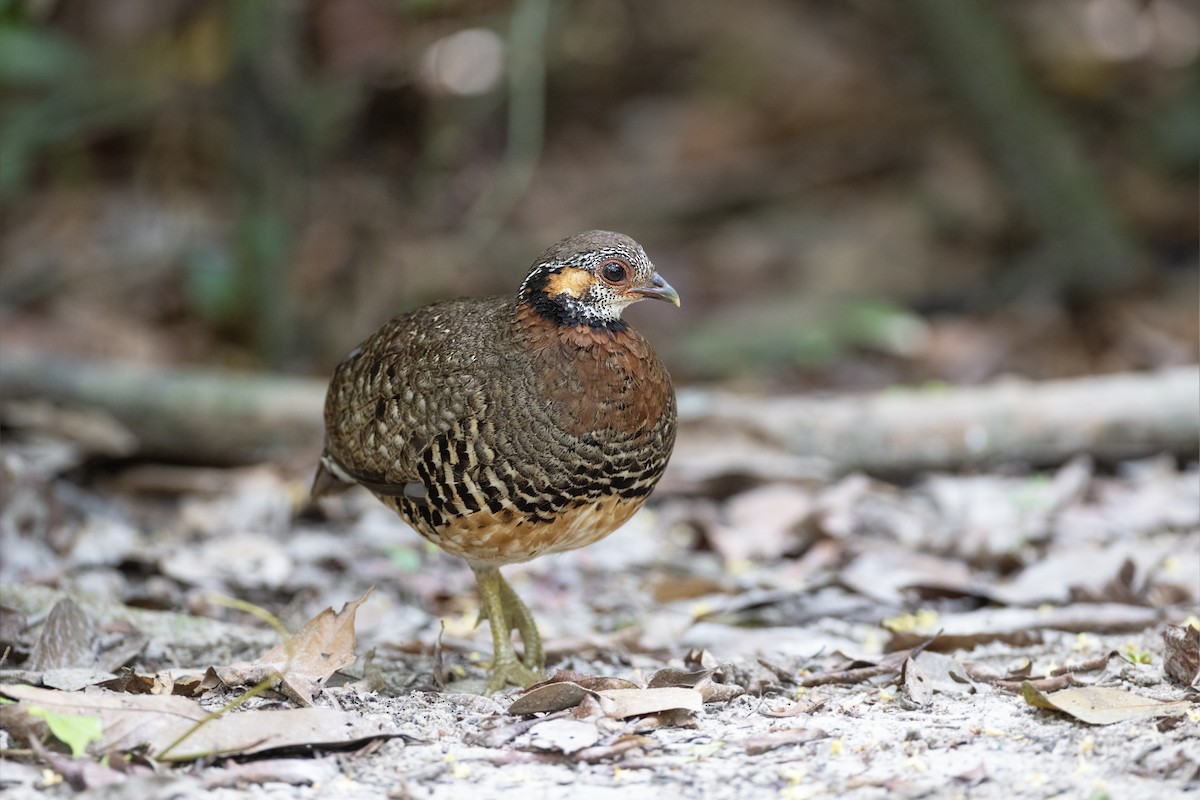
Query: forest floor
x,y
741,637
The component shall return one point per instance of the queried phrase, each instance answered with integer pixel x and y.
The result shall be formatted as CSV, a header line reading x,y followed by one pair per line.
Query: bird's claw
x,y
512,672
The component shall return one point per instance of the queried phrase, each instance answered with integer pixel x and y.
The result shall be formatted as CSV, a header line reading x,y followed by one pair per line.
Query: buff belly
x,y
489,538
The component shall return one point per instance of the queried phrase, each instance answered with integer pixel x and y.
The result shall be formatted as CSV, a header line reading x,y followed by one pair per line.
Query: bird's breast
x,y
602,382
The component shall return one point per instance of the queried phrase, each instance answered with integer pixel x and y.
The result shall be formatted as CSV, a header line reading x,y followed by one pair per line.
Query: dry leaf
x,y
564,689
927,673
547,697
1102,706
65,640
615,703
917,689
760,524
1099,572
1181,658
564,735
592,683
885,574
701,680
323,646
622,703
152,723
678,677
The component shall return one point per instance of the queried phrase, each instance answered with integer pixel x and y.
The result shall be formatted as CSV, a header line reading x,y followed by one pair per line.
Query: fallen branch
x,y
226,417
206,416
1109,417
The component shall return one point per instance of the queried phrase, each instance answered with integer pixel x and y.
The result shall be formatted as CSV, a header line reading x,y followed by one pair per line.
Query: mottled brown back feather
x,y
497,433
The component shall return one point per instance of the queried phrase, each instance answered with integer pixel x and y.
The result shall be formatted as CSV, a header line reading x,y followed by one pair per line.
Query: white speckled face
x,y
591,278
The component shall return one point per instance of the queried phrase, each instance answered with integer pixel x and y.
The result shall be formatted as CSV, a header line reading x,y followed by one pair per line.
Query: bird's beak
x,y
658,289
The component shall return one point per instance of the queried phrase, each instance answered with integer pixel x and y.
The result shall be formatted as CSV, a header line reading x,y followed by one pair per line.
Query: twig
x,y
258,688
1052,684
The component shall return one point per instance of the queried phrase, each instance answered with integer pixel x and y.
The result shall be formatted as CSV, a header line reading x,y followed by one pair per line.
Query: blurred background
x,y
846,195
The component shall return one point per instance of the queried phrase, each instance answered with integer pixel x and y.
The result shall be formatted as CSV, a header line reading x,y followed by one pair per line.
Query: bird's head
x,y
589,279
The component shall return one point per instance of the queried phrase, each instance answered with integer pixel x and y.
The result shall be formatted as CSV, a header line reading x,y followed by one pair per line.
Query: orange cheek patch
x,y
570,281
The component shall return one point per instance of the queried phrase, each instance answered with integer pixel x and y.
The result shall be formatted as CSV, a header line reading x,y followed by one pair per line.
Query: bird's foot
x,y
518,617
505,611
504,673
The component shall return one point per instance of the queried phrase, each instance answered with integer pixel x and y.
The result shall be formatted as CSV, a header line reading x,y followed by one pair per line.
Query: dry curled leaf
x,y
323,646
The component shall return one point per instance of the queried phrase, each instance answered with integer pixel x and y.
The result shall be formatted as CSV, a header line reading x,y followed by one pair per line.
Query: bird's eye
x,y
614,271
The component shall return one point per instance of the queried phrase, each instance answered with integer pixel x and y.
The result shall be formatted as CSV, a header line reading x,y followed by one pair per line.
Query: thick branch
x,y
225,417
192,415
1109,417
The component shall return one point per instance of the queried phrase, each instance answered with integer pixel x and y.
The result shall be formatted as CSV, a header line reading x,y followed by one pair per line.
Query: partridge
x,y
505,428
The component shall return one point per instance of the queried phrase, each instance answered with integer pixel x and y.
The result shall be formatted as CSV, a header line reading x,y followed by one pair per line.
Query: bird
x,y
506,428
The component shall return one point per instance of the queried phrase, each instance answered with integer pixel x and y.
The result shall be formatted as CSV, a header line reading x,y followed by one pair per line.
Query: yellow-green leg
x,y
504,611
520,617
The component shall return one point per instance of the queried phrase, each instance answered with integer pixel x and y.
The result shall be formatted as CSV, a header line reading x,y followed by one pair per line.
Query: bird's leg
x,y
506,668
519,616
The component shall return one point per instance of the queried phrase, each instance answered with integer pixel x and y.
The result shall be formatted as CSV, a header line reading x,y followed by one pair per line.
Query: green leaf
x,y
73,731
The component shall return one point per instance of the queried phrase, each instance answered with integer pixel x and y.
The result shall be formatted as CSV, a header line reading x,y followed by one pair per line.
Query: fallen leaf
x,y
615,703
12,625
548,697
72,639
249,560
917,689
974,776
592,683
564,735
760,524
609,752
925,673
65,639
1099,573
985,516
701,680
622,703
678,677
1098,705
73,679
886,573
668,587
323,646
1181,658
157,724
76,732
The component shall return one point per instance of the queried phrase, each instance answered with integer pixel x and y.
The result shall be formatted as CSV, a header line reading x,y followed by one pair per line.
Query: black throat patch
x,y
562,309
